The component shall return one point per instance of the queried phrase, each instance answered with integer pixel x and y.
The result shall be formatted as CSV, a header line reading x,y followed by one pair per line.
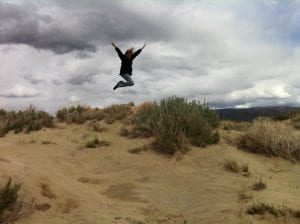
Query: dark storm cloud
x,y
21,24
65,29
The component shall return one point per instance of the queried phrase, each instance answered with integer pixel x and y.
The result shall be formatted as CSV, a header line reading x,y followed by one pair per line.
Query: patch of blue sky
x,y
279,19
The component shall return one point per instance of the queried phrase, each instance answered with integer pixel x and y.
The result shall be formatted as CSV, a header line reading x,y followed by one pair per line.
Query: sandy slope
x,y
111,185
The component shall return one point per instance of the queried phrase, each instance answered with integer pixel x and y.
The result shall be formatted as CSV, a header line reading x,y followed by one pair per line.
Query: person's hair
x,y
129,51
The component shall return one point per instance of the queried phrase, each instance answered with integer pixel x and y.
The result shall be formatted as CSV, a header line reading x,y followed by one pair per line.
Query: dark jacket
x,y
126,66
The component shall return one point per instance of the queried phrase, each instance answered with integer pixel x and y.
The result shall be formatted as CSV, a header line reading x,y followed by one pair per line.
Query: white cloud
x,y
194,49
74,99
264,90
20,91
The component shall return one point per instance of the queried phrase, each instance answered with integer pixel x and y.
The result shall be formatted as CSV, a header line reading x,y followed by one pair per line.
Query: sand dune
x,y
67,183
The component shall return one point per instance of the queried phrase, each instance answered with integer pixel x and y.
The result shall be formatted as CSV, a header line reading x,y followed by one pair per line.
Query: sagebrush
x,y
80,114
272,138
8,197
175,122
27,120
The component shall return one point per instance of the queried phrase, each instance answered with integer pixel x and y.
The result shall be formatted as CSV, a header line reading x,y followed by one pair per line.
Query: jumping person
x,y
126,66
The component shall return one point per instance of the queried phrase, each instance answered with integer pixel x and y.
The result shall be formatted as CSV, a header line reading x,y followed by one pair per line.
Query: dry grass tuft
x,y
245,197
144,106
234,125
95,142
259,185
260,208
138,150
273,139
134,132
233,166
97,127
116,112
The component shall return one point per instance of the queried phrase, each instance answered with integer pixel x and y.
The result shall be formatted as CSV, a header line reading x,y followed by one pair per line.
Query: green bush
x,y
174,122
8,197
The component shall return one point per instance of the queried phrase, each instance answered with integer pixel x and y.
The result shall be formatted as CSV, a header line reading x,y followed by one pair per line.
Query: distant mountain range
x,y
248,114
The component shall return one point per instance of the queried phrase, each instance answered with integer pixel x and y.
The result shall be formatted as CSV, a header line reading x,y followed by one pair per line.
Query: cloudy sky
x,y
233,53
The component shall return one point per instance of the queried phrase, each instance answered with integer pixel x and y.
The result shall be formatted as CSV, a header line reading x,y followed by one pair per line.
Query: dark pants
x,y
129,81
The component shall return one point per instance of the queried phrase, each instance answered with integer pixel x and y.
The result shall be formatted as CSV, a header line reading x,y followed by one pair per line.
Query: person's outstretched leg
x,y
129,82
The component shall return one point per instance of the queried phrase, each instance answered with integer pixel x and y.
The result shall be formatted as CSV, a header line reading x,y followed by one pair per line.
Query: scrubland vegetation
x,y
80,114
27,120
272,138
175,123
260,208
169,126
8,199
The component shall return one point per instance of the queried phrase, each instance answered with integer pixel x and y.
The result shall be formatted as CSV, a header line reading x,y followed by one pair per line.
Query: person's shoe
x,y
116,86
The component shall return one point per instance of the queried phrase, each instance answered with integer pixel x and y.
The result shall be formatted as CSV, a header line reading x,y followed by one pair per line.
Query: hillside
x,y
249,114
65,182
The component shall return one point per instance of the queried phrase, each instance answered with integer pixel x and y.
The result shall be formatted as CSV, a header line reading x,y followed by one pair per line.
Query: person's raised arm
x,y
121,55
138,52
113,44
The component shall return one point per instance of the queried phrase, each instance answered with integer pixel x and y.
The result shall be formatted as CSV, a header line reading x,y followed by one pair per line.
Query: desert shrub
x,y
116,112
294,115
234,125
3,128
78,114
261,208
138,150
281,117
232,165
296,125
124,132
97,127
8,197
174,122
95,142
27,120
273,139
134,132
